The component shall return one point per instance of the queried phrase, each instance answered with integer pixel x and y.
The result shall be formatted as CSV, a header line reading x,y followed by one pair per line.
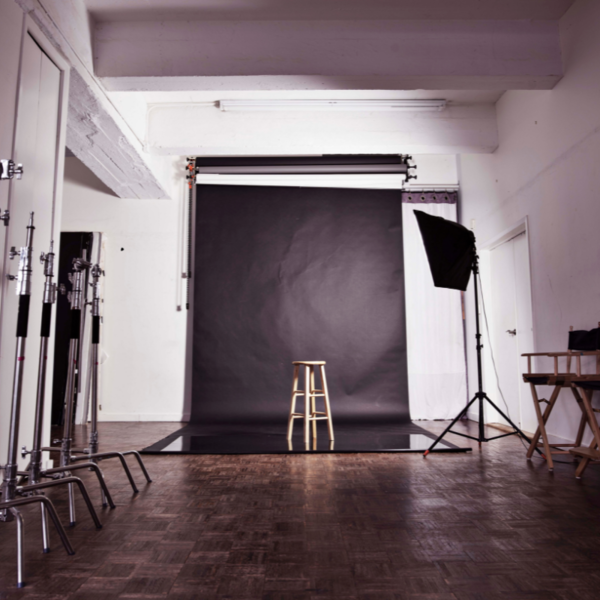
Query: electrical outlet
x,y
49,464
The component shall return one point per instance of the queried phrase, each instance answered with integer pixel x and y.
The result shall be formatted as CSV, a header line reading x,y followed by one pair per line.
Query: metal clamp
x,y
10,170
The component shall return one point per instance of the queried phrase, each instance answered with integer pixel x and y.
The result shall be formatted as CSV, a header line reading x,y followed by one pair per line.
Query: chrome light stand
x,y
67,459
92,452
10,489
60,475
66,467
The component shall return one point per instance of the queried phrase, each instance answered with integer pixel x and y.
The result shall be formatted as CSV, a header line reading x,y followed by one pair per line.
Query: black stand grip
x,y
95,330
75,323
46,319
23,318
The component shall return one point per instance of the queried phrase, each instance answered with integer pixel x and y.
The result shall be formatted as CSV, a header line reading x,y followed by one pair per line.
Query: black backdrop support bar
x,y
191,177
480,396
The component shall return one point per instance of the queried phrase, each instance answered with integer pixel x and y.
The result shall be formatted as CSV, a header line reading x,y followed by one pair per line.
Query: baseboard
x,y
137,417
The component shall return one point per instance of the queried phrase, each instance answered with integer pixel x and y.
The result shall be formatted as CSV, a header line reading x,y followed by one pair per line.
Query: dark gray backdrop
x,y
285,274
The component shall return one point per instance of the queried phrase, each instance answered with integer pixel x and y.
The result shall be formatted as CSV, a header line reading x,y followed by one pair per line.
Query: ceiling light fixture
x,y
332,105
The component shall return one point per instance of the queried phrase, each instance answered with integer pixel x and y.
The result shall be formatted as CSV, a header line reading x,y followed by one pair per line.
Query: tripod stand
x,y
59,475
92,452
68,460
10,489
480,396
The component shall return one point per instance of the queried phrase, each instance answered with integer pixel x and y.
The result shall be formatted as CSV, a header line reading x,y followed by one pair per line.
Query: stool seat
x,y
310,393
309,362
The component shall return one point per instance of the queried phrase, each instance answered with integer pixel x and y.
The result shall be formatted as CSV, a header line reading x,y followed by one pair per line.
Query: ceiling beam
x,y
193,129
272,55
96,132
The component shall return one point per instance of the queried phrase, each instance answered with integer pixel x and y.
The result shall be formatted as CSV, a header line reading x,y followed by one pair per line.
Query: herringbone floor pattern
x,y
482,526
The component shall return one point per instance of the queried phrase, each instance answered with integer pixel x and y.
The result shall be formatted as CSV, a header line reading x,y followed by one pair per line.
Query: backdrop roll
x,y
283,274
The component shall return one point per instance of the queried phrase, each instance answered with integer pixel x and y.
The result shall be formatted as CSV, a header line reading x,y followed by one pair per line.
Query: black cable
x,y
487,328
496,371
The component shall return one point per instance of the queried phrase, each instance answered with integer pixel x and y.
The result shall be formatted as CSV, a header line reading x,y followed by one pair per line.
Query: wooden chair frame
x,y
561,380
591,452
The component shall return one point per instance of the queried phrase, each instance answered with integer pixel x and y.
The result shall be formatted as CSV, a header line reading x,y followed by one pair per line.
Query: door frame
x,y
526,342
30,28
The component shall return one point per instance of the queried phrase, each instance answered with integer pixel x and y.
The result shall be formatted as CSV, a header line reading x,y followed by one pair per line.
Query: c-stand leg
x,y
92,453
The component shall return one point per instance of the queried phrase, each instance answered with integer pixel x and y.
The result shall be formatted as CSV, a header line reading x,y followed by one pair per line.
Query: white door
x,y
511,329
36,146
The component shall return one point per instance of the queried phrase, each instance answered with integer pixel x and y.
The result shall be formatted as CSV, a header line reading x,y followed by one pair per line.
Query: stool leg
x,y
306,406
313,402
293,404
327,407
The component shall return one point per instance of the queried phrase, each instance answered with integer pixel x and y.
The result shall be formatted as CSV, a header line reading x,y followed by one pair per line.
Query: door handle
x,y
511,331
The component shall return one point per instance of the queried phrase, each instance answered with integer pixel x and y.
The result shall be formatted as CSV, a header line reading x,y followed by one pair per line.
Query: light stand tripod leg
x,y
72,517
140,462
58,525
93,454
20,534
88,465
480,395
45,536
457,418
105,455
9,508
70,481
517,430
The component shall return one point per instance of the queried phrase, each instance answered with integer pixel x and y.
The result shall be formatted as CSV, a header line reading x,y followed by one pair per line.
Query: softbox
x,y
450,249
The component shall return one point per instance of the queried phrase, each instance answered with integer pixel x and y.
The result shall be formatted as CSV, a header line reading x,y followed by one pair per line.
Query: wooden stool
x,y
310,393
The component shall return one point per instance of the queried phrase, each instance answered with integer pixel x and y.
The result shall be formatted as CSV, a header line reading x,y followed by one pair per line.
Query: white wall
x,y
546,168
143,333
11,22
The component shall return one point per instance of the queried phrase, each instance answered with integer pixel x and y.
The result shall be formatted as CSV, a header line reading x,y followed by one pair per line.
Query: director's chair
x,y
579,344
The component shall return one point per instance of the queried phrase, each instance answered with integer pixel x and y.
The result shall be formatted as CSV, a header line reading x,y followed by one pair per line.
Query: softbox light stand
x,y
452,257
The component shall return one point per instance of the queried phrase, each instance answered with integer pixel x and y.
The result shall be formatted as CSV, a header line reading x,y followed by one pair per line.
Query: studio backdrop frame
x,y
425,378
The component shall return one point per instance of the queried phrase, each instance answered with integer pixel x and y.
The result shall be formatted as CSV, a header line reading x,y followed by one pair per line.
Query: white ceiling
x,y
138,10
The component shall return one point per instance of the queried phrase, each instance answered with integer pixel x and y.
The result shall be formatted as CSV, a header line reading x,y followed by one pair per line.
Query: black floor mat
x,y
272,439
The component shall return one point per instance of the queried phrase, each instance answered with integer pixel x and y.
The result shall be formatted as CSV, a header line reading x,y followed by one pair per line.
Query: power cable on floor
x,y
487,328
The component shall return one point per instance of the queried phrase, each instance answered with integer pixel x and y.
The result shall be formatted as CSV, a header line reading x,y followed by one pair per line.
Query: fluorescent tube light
x,y
332,105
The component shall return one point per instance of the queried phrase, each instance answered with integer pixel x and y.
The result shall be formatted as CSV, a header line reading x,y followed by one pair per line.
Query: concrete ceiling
x,y
140,10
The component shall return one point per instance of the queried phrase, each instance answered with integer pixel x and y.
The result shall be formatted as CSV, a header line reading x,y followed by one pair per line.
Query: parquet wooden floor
x,y
482,526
